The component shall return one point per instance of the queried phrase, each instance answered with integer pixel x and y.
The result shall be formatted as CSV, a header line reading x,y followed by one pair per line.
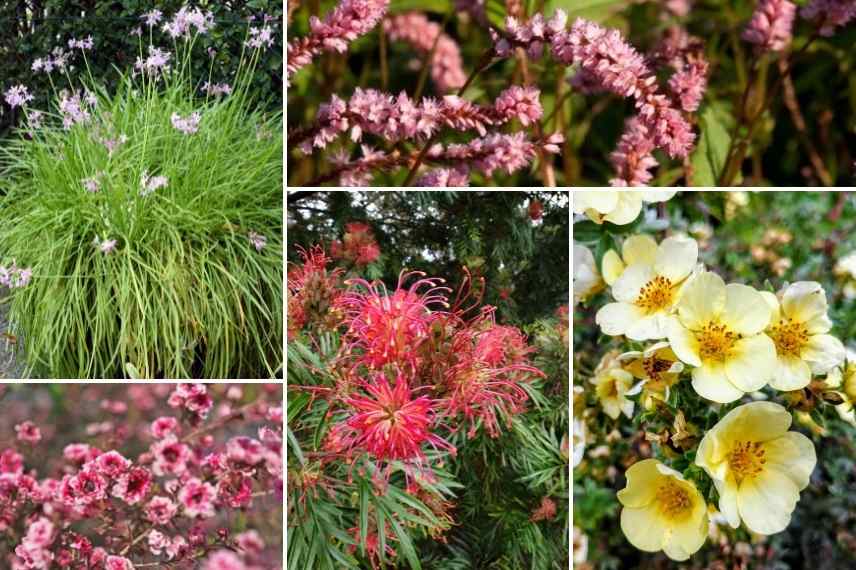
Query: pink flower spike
x,y
771,25
416,29
521,103
830,14
632,158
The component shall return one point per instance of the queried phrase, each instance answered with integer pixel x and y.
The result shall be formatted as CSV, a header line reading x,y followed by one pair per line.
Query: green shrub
x,y
184,292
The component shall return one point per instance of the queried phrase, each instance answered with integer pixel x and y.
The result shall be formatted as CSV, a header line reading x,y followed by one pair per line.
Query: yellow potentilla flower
x,y
842,380
719,330
639,248
657,366
612,384
648,290
616,206
587,280
799,327
662,511
757,465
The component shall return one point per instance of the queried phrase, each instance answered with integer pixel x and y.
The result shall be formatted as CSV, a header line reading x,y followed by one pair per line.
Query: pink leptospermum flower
x,y
224,560
771,25
118,563
18,96
29,432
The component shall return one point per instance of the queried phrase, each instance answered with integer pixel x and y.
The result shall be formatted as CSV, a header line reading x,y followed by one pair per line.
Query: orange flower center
x,y
747,459
790,337
673,500
716,341
656,295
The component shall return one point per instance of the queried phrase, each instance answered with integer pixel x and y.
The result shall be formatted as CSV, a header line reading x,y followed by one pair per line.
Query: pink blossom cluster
x,y
400,118
500,151
771,25
257,240
610,61
149,184
58,60
632,159
85,44
349,20
188,125
186,20
18,96
155,64
414,28
830,14
260,37
688,84
108,511
217,89
357,246
15,277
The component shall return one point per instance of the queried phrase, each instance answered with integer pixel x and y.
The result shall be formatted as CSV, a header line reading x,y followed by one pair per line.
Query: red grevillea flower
x,y
491,366
358,245
384,328
390,423
312,289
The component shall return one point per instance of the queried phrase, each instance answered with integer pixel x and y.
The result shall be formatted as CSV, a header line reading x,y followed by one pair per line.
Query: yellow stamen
x,y
656,295
716,341
790,337
747,459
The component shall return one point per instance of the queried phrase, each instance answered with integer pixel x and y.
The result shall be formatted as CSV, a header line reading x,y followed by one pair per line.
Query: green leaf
x,y
708,158
436,6
596,10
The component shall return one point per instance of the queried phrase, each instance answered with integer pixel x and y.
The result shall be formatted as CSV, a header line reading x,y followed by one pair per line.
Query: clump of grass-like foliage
x,y
187,289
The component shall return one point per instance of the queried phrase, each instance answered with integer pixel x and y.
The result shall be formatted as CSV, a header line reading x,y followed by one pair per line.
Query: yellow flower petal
x,y
644,528
751,363
793,455
611,267
676,258
791,373
823,353
711,381
766,502
650,327
702,300
746,311
641,485
614,318
684,343
640,248
804,301
629,285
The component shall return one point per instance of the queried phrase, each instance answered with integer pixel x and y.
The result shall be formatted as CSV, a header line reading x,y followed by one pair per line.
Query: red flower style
x,y
486,380
358,245
384,328
389,424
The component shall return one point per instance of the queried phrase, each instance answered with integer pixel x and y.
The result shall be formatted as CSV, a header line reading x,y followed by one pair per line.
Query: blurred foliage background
x,y
33,28
524,261
764,239
824,87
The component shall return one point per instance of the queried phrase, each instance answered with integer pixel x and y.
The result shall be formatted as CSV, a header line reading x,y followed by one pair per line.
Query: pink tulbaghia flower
x,y
85,44
92,184
632,159
389,423
156,63
414,28
73,109
189,125
260,37
149,184
258,241
384,328
830,14
152,18
17,96
444,177
217,89
358,245
187,19
105,246
14,277
349,20
771,25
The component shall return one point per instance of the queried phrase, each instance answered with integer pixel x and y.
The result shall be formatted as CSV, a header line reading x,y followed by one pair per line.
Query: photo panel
x,y
428,379
714,379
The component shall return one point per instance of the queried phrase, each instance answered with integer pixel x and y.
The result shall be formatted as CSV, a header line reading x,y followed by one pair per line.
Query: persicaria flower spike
x,y
771,25
414,28
349,20
830,14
